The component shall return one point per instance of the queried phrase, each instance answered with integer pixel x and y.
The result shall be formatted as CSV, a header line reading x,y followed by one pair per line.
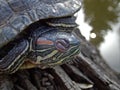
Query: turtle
x,y
17,15
45,47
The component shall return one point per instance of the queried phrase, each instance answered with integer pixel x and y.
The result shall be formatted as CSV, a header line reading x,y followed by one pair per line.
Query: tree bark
x,y
88,71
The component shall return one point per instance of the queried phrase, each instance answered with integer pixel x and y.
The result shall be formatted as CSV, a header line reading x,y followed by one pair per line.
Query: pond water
x,y
99,22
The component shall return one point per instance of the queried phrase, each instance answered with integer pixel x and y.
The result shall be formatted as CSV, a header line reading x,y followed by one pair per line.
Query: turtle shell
x,y
16,15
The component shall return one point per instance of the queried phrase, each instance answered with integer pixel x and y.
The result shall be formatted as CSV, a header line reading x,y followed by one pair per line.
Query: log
x,y
88,71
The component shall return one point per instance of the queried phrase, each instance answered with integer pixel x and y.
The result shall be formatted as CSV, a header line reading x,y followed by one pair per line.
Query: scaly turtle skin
x,y
46,46
16,15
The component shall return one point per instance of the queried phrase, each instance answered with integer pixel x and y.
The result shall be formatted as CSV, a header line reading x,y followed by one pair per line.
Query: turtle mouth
x,y
61,59
65,57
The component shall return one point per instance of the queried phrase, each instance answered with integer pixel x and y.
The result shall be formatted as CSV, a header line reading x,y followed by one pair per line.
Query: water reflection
x,y
110,47
99,22
84,27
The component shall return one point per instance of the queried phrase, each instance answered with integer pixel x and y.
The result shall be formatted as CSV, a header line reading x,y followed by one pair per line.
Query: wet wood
x,y
88,71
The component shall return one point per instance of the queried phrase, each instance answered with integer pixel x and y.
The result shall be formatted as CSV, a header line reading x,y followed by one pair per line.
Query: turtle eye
x,y
62,45
44,41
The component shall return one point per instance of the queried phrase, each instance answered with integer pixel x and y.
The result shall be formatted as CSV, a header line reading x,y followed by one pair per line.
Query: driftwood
x,y
88,71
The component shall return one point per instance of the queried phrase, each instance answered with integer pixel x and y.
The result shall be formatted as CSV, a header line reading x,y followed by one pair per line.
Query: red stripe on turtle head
x,y
43,41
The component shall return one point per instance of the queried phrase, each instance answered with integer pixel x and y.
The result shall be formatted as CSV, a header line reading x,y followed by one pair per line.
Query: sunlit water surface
x,y
99,22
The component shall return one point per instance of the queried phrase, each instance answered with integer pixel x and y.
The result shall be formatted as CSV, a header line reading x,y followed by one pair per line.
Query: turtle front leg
x,y
14,58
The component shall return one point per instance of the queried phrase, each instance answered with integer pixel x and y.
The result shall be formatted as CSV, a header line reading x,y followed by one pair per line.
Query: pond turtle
x,y
17,15
44,47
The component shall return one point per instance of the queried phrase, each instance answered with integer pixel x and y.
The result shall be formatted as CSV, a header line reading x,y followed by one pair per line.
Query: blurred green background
x,y
99,22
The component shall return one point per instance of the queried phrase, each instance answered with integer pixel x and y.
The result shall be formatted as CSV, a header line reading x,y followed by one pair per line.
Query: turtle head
x,y
56,47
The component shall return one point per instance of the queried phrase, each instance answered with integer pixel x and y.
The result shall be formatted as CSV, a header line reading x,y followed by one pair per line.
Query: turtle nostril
x,y
62,44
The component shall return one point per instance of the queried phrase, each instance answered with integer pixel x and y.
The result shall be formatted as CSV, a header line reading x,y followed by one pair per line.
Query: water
x,y
99,22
